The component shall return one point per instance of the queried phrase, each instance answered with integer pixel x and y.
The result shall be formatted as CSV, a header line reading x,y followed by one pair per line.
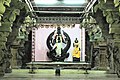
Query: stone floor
x,y
66,74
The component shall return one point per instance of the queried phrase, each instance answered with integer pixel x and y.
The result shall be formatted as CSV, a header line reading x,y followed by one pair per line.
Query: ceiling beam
x,y
69,12
81,6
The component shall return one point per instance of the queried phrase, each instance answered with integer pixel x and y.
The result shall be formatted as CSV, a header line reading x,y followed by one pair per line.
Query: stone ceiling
x,y
60,11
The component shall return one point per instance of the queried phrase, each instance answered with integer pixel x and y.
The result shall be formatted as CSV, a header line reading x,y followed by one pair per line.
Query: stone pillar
x,y
95,57
16,50
5,29
10,14
110,45
115,30
110,10
3,35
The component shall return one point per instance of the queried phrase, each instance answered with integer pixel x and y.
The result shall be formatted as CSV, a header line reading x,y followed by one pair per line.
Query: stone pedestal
x,y
14,58
103,64
1,72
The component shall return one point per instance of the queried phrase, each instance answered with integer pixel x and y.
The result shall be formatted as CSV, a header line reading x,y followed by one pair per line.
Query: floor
x,y
66,74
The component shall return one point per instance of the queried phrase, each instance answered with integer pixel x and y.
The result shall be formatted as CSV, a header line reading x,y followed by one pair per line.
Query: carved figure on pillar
x,y
3,3
3,35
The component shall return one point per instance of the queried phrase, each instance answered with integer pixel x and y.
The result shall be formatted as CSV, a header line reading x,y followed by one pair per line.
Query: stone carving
x,y
110,59
11,14
95,58
116,57
7,57
4,55
111,11
21,57
117,4
95,32
3,3
8,19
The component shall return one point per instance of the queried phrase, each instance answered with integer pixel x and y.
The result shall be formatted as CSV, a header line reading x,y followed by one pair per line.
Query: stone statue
x,y
3,3
58,39
10,15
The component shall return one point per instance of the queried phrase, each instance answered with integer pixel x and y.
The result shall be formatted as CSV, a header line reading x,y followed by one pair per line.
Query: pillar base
x,y
1,72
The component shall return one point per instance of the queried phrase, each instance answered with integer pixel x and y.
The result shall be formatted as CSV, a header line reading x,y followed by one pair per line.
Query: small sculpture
x,y
76,51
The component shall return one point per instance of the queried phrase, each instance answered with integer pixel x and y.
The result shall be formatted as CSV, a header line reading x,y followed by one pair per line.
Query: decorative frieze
x,y
59,20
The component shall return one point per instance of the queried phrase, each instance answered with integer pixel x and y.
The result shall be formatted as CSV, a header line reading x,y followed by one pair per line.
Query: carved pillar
x,y
3,34
110,11
96,35
115,30
14,51
110,45
7,38
112,17
5,29
95,57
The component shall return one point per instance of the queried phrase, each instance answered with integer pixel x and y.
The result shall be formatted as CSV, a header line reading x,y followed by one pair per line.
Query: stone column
x,y
115,30
5,29
110,45
3,35
110,11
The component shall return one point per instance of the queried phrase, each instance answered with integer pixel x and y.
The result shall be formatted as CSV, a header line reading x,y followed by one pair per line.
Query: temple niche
x,y
45,38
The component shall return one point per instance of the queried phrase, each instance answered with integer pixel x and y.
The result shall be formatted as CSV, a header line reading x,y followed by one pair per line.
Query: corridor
x,y
66,74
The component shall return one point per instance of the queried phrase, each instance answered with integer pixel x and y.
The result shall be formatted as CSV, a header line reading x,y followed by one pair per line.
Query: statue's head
x,y
76,43
16,11
76,40
58,30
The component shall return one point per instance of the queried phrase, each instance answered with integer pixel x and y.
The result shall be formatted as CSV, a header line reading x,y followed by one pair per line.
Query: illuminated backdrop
x,y
41,35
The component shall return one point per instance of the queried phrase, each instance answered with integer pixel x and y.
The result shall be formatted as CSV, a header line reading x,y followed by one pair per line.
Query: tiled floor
x,y
65,75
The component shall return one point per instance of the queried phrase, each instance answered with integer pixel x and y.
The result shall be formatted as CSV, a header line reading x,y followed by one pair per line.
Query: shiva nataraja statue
x,y
58,42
